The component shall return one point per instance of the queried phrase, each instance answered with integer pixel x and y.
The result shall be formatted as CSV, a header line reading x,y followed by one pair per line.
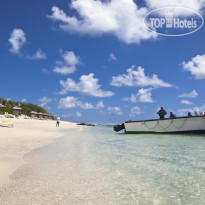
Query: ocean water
x,y
97,166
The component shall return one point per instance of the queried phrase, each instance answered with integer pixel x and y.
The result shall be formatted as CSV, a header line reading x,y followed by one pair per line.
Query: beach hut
x,y
33,114
46,116
1,106
40,115
16,110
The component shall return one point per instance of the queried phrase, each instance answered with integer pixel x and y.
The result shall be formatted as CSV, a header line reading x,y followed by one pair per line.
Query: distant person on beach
x,y
161,113
57,121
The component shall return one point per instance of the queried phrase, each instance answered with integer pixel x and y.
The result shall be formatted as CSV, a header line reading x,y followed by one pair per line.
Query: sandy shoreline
x,y
27,135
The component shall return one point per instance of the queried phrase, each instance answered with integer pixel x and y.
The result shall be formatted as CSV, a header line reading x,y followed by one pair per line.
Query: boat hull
x,y
175,126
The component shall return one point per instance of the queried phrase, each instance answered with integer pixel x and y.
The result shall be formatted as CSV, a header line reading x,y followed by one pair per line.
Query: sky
x,y
96,62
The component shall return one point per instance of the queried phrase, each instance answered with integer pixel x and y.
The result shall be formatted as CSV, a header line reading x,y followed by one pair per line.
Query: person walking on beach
x,y
57,121
161,113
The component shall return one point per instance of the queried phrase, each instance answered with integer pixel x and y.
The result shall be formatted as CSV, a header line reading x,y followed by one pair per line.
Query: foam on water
x,y
98,166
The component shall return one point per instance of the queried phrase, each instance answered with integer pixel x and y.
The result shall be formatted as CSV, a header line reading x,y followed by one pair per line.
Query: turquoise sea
x,y
97,166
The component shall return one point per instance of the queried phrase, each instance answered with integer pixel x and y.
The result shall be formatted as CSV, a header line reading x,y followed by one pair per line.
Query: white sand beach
x,y
25,136
42,164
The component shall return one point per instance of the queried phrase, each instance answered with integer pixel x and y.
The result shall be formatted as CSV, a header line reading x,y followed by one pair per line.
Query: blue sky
x,y
72,57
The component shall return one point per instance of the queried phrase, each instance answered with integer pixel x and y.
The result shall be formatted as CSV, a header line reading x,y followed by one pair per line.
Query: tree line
x,y
26,107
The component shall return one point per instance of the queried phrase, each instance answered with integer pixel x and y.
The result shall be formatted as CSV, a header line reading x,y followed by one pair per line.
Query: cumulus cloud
x,y
45,100
38,55
44,70
137,78
78,114
183,112
114,110
17,40
100,105
186,102
194,4
23,100
88,85
73,102
112,57
143,95
121,18
196,66
69,63
135,111
192,94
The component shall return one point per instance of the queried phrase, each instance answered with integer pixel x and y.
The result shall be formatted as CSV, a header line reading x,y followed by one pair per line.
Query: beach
x,y
25,136
81,165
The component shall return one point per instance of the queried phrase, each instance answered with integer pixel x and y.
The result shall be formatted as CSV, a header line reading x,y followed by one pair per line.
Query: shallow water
x,y
98,166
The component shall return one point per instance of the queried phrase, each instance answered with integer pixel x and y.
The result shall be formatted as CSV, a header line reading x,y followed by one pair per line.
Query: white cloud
x,y
69,63
100,105
73,102
196,66
184,112
194,4
44,101
137,78
17,40
186,102
70,58
114,110
68,102
44,70
66,115
121,18
38,55
192,94
23,100
64,70
88,85
112,57
143,95
135,111
78,114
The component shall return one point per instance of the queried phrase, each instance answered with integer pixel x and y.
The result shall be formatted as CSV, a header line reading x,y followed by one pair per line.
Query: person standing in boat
x,y
161,113
172,115
189,114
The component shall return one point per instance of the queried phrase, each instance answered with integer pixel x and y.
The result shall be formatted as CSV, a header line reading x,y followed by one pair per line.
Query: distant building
x,y
33,114
45,116
40,115
16,110
2,106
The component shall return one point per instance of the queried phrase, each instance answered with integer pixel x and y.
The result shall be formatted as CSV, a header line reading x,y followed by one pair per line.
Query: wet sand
x,y
26,135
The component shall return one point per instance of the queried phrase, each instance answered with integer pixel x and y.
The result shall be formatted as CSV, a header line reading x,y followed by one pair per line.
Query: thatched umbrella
x,y
16,110
33,114
1,106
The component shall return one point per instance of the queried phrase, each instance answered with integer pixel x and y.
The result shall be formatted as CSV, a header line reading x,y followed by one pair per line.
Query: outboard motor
x,y
118,128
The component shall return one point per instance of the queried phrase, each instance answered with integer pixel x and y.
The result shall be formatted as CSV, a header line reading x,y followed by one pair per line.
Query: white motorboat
x,y
191,124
